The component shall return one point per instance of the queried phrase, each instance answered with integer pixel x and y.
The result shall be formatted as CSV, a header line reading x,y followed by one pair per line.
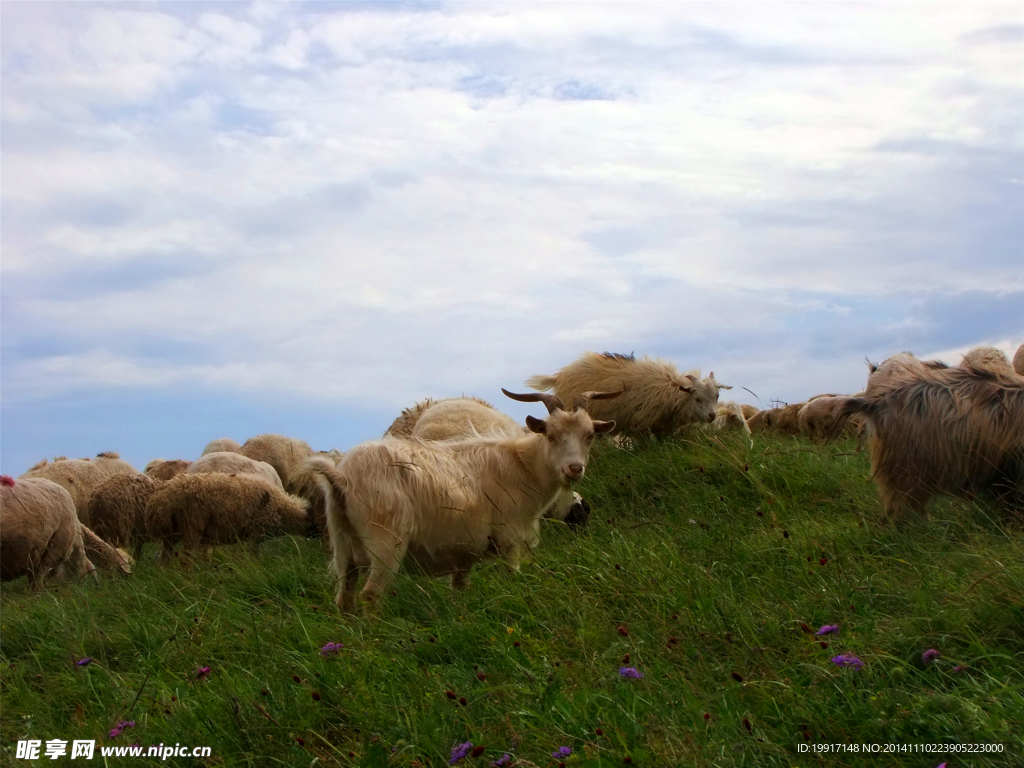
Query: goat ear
x,y
603,426
536,425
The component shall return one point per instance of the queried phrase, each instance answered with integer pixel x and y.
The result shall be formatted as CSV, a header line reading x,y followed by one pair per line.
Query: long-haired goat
x,y
656,399
942,430
447,505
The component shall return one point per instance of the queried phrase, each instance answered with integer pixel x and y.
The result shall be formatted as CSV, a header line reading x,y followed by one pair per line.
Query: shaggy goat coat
x,y
820,418
958,431
80,477
446,506
209,509
656,399
461,418
227,463
40,536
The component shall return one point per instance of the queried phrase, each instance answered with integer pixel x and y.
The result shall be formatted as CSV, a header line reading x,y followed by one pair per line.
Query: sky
x,y
226,219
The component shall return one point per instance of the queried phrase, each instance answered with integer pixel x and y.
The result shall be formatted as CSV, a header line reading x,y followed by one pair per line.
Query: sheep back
x,y
227,463
117,509
216,508
221,445
1018,360
463,417
280,452
165,469
40,535
80,477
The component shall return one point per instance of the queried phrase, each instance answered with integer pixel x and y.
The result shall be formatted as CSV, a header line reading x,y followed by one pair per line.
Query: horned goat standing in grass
x,y
657,399
942,430
447,505
459,418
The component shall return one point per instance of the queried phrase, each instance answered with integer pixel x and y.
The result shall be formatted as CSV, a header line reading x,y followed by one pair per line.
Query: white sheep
x,y
40,536
447,505
228,463
80,477
656,399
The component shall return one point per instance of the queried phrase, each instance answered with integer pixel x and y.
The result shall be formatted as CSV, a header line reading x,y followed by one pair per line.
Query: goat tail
x,y
541,383
851,406
332,483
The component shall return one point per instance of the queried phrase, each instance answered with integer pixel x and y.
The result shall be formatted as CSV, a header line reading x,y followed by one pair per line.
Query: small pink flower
x,y
203,672
116,730
84,662
828,629
930,655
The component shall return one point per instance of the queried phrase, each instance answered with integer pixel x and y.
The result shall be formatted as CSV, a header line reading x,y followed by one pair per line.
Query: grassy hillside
x,y
705,564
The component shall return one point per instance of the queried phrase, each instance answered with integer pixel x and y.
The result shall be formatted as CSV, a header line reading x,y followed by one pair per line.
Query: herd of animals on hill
x,y
454,481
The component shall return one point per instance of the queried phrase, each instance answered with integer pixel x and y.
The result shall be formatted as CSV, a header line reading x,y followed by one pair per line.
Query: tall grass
x,y
704,565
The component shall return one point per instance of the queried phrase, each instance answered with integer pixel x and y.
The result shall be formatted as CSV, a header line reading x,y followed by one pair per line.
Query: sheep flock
x,y
455,481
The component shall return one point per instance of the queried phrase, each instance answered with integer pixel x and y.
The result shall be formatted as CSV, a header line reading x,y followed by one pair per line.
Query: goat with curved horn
x,y
551,402
583,401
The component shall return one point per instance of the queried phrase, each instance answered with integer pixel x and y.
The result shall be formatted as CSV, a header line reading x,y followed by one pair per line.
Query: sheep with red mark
x,y
657,399
40,536
448,505
935,430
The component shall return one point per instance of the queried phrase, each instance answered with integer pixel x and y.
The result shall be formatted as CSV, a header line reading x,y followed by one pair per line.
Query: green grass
x,y
711,555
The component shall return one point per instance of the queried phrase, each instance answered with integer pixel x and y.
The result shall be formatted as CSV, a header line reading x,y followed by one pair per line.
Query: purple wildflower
x,y
459,752
116,730
84,662
828,629
847,660
959,667
941,765
202,672
504,761
562,752
631,672
930,655
331,648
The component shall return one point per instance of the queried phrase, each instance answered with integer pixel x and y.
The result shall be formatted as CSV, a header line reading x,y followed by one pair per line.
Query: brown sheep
x,y
406,421
1018,360
958,431
209,509
117,509
656,398
160,469
280,452
80,477
40,536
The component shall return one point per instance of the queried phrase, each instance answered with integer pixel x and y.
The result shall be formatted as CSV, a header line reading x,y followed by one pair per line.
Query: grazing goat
x,y
447,505
942,430
656,399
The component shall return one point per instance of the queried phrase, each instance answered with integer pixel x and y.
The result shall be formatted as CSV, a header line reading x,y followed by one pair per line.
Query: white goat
x,y
447,505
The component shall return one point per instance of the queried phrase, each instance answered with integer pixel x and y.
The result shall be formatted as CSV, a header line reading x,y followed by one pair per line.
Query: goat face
x,y
702,399
568,440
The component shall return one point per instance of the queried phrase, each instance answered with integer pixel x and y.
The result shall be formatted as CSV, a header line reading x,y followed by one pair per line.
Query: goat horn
x,y
691,377
551,402
582,401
